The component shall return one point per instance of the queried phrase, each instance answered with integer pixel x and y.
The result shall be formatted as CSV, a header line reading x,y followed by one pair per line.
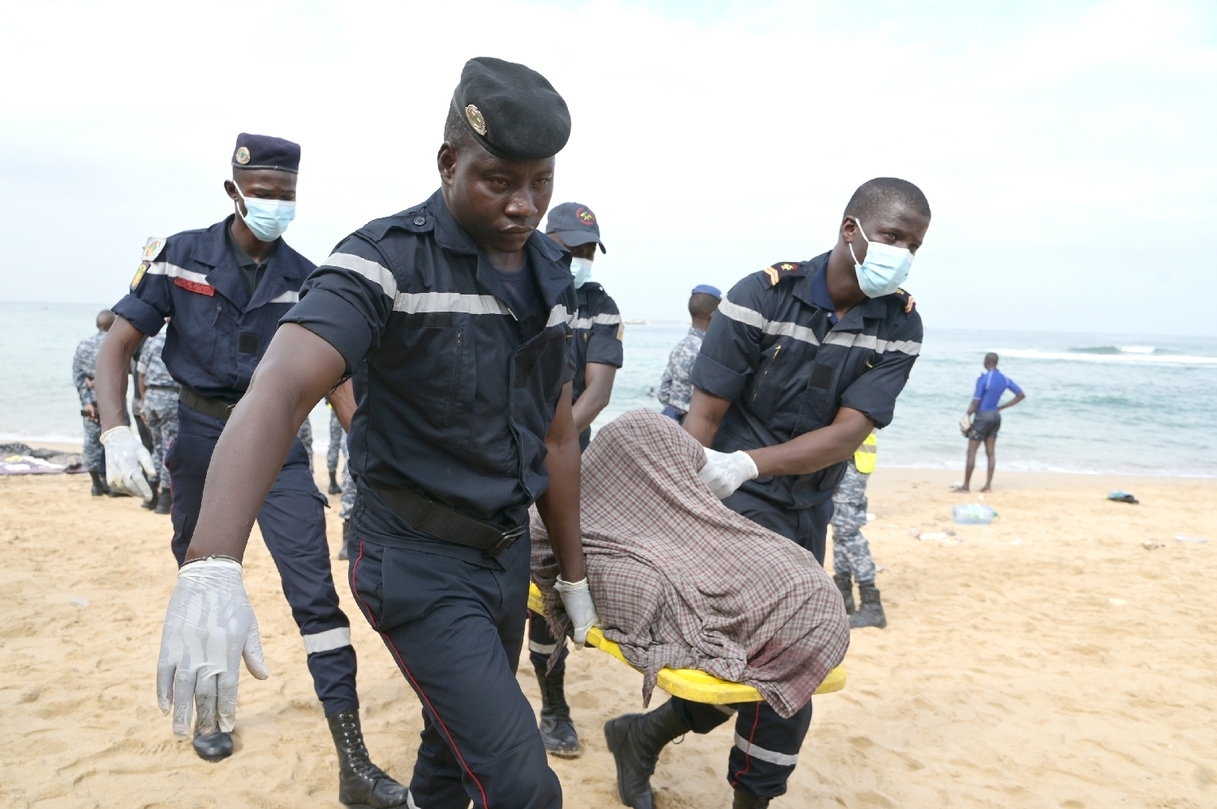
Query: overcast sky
x,y
1067,149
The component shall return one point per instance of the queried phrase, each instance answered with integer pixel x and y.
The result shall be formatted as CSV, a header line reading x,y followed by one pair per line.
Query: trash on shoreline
x,y
969,514
1117,602
1119,496
1197,540
80,602
1152,545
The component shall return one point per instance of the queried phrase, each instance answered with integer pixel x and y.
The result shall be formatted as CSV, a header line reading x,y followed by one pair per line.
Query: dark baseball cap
x,y
706,289
574,224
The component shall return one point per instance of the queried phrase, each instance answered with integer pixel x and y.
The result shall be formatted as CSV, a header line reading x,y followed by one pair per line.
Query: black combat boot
x,y
871,611
334,487
100,489
151,504
635,741
214,746
164,505
360,782
557,729
345,552
846,585
746,800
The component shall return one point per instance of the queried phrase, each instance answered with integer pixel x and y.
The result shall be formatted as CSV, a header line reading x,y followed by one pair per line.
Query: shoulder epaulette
x,y
414,221
784,269
153,248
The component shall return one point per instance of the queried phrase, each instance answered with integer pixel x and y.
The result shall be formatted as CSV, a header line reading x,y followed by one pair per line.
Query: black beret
x,y
265,152
512,110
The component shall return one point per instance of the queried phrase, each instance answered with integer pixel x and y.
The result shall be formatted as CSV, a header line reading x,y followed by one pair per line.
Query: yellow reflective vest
x,y
867,455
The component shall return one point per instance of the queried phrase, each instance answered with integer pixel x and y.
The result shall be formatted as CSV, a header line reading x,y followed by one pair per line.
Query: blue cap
x,y
265,152
574,224
706,289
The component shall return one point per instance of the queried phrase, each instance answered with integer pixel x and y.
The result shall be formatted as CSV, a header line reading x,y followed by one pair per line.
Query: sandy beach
x,y
1065,656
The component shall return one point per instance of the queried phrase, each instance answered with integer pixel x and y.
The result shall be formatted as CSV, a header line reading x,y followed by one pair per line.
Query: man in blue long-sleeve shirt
x,y
986,419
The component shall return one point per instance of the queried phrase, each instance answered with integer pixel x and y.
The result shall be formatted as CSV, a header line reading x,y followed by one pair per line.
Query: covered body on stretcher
x,y
691,684
706,604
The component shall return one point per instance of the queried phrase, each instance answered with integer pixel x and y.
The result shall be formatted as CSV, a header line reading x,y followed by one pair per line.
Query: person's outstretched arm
x,y
128,464
299,368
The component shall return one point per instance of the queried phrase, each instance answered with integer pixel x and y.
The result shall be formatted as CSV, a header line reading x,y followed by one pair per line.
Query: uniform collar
x,y
813,289
544,255
214,251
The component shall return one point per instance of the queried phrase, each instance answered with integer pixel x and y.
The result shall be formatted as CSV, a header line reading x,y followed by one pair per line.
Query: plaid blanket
x,y
682,581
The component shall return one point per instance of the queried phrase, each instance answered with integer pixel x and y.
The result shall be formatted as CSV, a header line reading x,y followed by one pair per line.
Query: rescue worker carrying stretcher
x,y
803,361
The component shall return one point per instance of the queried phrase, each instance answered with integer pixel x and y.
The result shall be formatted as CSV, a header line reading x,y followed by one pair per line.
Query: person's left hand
x,y
209,627
577,600
725,472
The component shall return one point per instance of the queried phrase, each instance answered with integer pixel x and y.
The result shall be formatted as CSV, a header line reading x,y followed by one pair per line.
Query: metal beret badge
x,y
474,116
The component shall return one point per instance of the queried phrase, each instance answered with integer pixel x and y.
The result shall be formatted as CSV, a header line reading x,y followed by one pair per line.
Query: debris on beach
x,y
1119,496
1152,545
1197,540
972,514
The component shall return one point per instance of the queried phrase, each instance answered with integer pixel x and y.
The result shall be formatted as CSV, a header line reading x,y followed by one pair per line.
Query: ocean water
x,y
1096,403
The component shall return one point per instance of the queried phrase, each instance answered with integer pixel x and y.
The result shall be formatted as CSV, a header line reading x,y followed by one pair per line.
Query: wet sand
x,y
1065,656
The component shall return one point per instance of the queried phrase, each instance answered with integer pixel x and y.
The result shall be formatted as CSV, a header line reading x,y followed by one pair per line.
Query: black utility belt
x,y
174,388
208,407
446,523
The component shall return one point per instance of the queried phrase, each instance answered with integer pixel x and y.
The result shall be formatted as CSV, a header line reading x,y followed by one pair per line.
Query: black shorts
x,y
985,424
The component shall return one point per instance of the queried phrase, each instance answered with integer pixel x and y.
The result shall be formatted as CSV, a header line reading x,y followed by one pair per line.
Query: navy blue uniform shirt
x,y
460,389
597,333
217,332
778,354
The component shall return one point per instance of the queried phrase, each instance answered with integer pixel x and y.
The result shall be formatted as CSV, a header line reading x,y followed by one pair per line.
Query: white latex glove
x,y
125,454
209,626
725,472
577,600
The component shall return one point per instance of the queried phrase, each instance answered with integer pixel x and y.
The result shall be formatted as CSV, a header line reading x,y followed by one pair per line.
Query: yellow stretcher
x,y
691,684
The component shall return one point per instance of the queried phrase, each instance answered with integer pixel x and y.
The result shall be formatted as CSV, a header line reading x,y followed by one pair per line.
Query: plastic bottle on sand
x,y
972,514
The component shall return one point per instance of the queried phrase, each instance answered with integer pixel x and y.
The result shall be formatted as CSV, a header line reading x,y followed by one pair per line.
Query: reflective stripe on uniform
x,y
429,302
729,710
327,641
778,328
286,297
371,270
598,320
781,759
854,340
410,804
418,302
174,271
559,315
542,648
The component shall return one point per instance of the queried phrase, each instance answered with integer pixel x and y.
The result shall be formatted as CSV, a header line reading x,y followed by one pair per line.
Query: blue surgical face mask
x,y
884,269
267,219
582,268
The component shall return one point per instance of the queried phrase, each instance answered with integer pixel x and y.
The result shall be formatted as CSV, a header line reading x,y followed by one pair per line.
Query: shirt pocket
x,y
432,375
768,380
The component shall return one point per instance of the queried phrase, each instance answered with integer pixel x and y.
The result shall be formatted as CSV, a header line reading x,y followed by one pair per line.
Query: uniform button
x,y
418,220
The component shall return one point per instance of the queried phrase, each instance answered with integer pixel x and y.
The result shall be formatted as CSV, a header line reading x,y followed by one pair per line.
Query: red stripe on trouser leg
x,y
451,741
756,718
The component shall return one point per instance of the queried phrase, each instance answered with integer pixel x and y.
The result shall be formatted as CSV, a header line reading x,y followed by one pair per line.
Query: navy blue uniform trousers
x,y
451,619
766,746
293,524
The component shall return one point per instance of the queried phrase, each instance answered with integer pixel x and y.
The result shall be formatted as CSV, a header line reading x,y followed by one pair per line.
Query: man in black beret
x,y
222,291
456,313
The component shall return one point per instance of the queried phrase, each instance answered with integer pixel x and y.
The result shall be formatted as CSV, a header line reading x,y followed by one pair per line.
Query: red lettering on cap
x,y
194,286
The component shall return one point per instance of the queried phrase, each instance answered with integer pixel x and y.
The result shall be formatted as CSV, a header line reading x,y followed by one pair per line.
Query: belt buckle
x,y
507,539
